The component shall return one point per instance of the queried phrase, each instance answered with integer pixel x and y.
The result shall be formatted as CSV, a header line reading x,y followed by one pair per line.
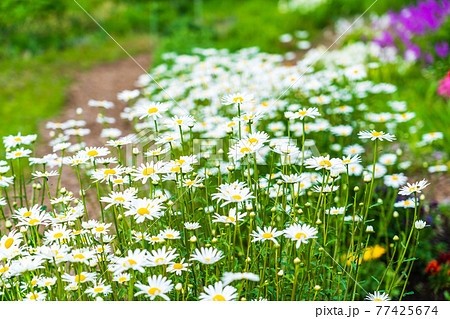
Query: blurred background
x,y
46,44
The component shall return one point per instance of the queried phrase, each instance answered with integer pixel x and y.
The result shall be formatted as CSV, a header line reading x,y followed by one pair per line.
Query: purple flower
x,y
441,49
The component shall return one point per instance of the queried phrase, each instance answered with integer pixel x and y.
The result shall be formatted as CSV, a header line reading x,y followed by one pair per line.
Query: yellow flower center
x,y
302,113
377,299
230,219
109,172
325,163
376,133
98,289
177,266
143,211
153,291
122,279
34,297
33,221
92,153
148,171
245,149
159,260
18,139
170,236
119,199
180,162
9,242
4,269
237,197
267,235
58,235
175,169
218,298
99,229
80,278
79,256
152,110
253,140
238,99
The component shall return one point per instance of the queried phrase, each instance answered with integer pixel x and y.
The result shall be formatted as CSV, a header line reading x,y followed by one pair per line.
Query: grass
x,y
34,87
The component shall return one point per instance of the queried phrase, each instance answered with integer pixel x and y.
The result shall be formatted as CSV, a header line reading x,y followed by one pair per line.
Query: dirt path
x,y
100,83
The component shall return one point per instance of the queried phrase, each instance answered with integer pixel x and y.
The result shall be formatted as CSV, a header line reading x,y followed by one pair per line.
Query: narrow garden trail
x,y
100,83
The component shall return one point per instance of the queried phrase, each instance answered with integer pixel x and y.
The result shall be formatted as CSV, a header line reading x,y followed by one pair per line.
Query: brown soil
x,y
100,83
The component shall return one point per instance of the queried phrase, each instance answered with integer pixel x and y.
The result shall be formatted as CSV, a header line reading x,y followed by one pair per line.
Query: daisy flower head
x,y
161,256
310,112
395,180
415,187
335,211
12,141
420,224
351,159
82,277
231,218
192,226
170,233
378,296
45,174
300,233
178,268
36,296
233,193
149,109
207,256
18,153
143,208
135,260
353,149
148,170
219,292
102,103
93,152
407,203
324,162
238,98
99,288
157,286
122,277
267,233
375,135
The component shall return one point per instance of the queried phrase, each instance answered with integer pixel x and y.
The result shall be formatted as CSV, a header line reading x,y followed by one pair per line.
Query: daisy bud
x,y
34,185
193,239
391,245
320,249
318,222
230,132
169,203
380,201
79,111
273,209
395,238
214,240
300,211
52,134
367,178
248,259
248,207
369,229
307,204
280,273
243,299
93,263
206,156
118,252
272,145
210,174
214,232
71,224
399,152
252,214
361,204
119,217
178,286
296,260
230,168
208,245
334,175
99,298
23,229
220,151
310,193
279,182
420,224
38,186
135,151
356,189
63,190
317,288
395,214
8,224
422,197
276,246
